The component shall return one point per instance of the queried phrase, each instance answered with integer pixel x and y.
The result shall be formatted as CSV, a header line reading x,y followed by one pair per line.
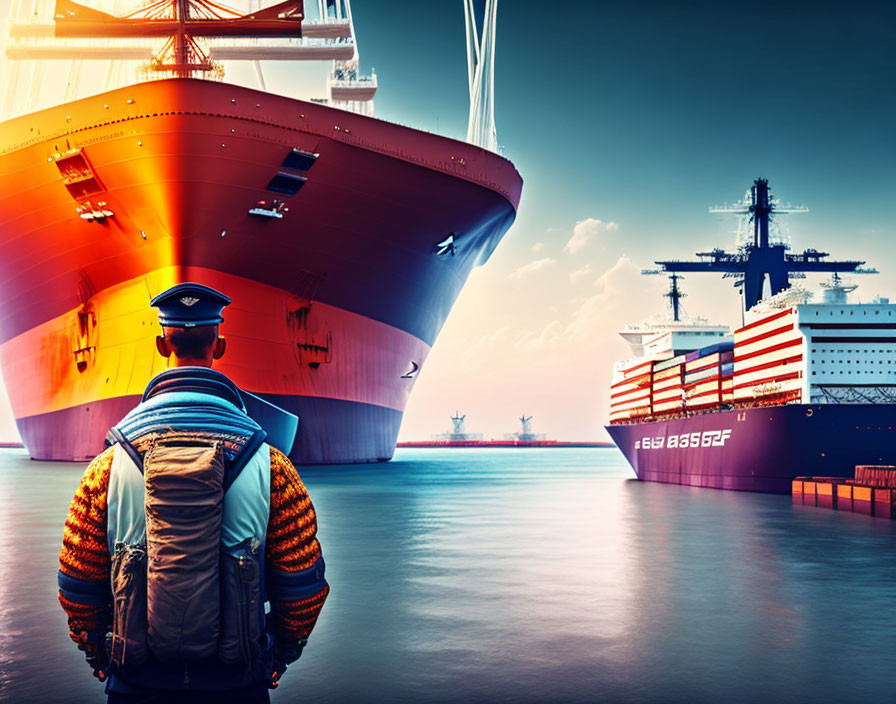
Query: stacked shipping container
x,y
764,363
704,373
667,386
697,380
630,395
769,359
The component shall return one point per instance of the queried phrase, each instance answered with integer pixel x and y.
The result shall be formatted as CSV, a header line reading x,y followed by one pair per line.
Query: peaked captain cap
x,y
189,304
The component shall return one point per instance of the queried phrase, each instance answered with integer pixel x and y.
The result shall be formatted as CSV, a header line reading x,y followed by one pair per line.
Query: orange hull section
x,y
334,303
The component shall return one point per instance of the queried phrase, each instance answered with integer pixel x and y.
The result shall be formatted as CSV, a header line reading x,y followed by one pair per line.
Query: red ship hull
x,y
336,303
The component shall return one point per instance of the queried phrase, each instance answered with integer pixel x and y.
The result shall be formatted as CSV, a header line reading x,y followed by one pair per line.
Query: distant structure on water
x,y
458,432
459,437
525,434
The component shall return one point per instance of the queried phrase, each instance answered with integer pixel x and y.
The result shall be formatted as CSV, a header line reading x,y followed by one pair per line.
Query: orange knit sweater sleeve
x,y
293,551
84,559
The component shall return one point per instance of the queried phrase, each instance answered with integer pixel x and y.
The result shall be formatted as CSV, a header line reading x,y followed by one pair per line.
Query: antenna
x,y
675,294
756,209
480,74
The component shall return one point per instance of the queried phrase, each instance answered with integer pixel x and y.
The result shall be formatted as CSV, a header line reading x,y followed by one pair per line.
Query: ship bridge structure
x,y
762,259
107,44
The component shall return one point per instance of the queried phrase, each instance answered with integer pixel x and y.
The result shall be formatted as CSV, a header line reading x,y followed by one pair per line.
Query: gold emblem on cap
x,y
189,300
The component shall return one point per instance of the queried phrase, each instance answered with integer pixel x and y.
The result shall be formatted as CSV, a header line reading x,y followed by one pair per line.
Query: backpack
x,y
186,572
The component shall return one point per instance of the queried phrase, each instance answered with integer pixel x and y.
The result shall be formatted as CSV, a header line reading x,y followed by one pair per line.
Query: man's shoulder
x,y
280,458
96,476
282,465
284,475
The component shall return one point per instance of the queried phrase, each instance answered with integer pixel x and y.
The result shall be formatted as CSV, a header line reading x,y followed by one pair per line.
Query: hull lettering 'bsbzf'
x,y
321,224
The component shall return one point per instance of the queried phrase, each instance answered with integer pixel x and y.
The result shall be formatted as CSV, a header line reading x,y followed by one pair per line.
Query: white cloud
x,y
500,339
579,274
532,267
537,247
586,230
604,310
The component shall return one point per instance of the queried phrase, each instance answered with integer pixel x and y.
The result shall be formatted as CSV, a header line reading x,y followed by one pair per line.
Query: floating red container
x,y
825,495
883,503
844,497
861,500
808,493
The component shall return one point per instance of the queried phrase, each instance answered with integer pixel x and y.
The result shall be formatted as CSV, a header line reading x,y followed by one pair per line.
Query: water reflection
x,y
526,576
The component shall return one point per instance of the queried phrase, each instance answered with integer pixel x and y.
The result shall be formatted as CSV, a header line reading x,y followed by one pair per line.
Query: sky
x,y
627,121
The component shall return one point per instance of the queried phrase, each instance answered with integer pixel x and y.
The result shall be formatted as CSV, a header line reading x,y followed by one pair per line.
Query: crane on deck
x,y
761,258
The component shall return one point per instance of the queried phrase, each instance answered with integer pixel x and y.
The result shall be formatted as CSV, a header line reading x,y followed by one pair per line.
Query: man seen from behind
x,y
183,528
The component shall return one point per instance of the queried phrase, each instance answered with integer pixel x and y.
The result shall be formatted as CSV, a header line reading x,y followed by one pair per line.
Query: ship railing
x,y
45,28
874,395
283,49
359,82
315,48
283,41
766,402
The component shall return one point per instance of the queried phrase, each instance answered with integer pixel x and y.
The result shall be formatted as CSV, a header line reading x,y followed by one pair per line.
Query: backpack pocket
x,y
183,479
127,642
241,615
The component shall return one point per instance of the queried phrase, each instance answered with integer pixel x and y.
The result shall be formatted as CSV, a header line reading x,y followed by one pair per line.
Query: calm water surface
x,y
525,576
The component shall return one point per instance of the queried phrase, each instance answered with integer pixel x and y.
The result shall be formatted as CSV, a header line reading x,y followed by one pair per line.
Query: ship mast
x,y
762,260
182,47
675,294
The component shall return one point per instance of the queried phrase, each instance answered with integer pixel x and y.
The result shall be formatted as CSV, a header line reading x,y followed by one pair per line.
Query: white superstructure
x,y
832,351
851,352
790,350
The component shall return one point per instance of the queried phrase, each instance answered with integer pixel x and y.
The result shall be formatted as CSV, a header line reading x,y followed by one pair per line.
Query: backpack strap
x,y
116,436
247,451
255,441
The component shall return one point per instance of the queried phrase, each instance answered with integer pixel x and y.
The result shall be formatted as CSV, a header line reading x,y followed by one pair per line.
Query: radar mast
x,y
762,260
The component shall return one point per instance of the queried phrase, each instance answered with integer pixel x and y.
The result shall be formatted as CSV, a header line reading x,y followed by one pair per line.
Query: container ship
x,y
342,239
800,388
